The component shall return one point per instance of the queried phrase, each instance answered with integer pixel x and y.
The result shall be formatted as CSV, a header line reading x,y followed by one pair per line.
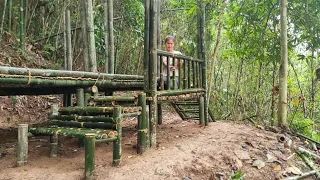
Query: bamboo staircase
x,y
188,110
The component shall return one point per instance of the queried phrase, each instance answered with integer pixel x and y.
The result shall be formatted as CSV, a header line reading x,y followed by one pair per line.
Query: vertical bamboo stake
x,y
159,113
91,40
146,46
117,143
22,26
142,125
106,34
153,73
84,34
54,145
111,38
22,151
89,156
10,15
201,111
80,97
69,37
2,20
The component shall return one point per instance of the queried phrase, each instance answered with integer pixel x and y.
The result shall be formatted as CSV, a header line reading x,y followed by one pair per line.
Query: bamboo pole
x,y
178,56
10,15
153,73
106,34
308,138
117,144
80,97
302,176
63,73
83,16
22,150
300,149
81,118
89,156
112,98
22,26
179,92
2,19
143,129
67,98
54,145
83,124
86,110
309,164
111,38
146,58
201,111
91,40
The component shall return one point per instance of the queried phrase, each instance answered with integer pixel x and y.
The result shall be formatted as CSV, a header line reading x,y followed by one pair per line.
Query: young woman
x,y
173,67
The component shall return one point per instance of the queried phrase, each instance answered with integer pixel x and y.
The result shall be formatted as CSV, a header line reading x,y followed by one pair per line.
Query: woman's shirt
x,y
176,64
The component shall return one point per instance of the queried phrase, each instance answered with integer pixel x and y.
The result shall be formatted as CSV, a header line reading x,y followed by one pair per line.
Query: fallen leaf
x,y
277,168
294,170
242,155
258,163
270,158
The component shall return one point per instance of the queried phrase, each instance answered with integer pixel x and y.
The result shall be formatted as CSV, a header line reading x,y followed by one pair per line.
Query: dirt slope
x,y
185,151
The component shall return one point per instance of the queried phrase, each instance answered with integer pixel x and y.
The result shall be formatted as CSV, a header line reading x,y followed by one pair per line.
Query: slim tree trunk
x,y
274,93
106,34
83,15
111,38
91,40
2,19
9,15
283,72
22,29
69,37
216,49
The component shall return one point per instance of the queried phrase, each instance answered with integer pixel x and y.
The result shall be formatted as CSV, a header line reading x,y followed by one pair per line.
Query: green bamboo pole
x,y
310,164
54,145
91,40
117,144
302,176
83,124
64,73
159,113
22,26
106,34
178,56
86,110
146,58
73,132
87,96
83,15
300,149
179,92
112,98
201,111
22,150
68,97
89,156
10,15
81,118
25,82
143,128
111,38
308,138
2,19
80,97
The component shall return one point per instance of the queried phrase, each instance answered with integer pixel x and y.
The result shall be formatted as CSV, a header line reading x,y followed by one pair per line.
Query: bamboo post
x,y
302,176
142,125
201,110
83,16
22,26
111,38
80,97
54,145
159,114
89,156
68,97
22,151
106,33
153,73
117,143
91,40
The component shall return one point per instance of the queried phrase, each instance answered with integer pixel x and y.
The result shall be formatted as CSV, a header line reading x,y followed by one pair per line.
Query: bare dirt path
x,y
185,151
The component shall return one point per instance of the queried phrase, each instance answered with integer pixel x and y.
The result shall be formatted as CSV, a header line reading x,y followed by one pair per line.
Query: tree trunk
x,y
106,34
2,19
91,40
111,38
83,15
283,72
22,29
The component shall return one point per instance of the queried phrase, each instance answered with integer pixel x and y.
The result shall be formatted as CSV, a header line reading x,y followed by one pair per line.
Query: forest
x,y
263,56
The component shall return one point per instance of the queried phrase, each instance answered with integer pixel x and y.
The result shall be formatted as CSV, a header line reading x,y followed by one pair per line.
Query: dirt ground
x,y
185,151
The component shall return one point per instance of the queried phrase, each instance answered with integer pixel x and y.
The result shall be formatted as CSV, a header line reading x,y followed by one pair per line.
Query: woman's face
x,y
169,45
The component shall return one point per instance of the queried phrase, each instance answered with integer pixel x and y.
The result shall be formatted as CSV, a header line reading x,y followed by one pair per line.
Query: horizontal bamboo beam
x,y
189,103
179,92
82,118
74,132
112,98
84,124
26,82
165,53
106,140
86,110
190,110
66,74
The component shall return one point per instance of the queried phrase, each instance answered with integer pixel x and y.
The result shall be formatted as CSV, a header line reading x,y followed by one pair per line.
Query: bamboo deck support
x,y
22,151
89,156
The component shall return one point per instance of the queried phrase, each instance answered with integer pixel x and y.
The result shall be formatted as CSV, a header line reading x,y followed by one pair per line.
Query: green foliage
x,y
304,125
237,175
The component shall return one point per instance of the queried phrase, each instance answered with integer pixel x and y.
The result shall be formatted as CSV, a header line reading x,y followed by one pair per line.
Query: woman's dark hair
x,y
169,38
